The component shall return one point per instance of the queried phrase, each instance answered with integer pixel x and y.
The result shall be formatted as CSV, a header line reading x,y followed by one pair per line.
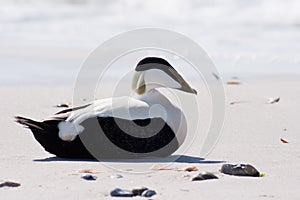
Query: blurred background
x,y
46,41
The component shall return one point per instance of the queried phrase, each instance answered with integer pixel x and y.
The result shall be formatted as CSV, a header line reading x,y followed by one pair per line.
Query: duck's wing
x,y
72,109
122,107
64,114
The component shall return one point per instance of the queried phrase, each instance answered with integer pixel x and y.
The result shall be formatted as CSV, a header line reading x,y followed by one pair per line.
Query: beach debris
x,y
187,169
89,171
186,176
65,104
283,141
233,83
216,76
191,169
204,176
148,193
121,193
265,195
184,190
238,102
138,191
274,100
159,167
9,184
239,170
117,176
233,102
89,177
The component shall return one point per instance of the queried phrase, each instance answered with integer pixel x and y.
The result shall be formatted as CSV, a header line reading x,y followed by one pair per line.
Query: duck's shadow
x,y
173,158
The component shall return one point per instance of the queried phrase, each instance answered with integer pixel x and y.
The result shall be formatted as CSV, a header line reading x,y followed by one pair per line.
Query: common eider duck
x,y
121,127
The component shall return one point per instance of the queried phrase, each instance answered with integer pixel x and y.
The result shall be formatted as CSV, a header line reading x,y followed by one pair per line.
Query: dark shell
x,y
9,184
121,193
138,191
240,170
148,193
89,177
62,105
204,176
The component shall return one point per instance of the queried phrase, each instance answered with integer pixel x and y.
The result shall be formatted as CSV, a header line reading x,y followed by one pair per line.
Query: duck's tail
x,y
29,123
46,133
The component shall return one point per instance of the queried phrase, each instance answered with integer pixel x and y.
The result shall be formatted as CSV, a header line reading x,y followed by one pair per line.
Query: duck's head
x,y
154,72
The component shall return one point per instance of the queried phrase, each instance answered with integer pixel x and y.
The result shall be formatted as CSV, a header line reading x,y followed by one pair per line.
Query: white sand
x,y
251,134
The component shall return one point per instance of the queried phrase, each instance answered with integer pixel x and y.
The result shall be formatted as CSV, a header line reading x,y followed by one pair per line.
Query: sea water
x,y
46,41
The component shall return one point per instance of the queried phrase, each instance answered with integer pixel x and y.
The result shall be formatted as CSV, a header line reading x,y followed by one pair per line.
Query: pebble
x,y
63,105
121,193
274,100
138,191
117,176
184,190
240,170
186,176
204,176
9,184
89,177
283,141
148,193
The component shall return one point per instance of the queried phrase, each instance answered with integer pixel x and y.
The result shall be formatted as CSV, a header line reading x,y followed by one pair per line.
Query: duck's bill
x,y
188,90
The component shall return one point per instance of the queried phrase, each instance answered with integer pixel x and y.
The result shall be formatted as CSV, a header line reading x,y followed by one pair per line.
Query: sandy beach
x,y
251,134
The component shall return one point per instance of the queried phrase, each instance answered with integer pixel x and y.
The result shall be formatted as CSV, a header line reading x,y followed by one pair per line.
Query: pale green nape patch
x,y
262,175
141,89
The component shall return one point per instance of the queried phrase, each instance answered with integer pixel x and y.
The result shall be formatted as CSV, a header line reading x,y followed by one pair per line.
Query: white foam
x,y
268,28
